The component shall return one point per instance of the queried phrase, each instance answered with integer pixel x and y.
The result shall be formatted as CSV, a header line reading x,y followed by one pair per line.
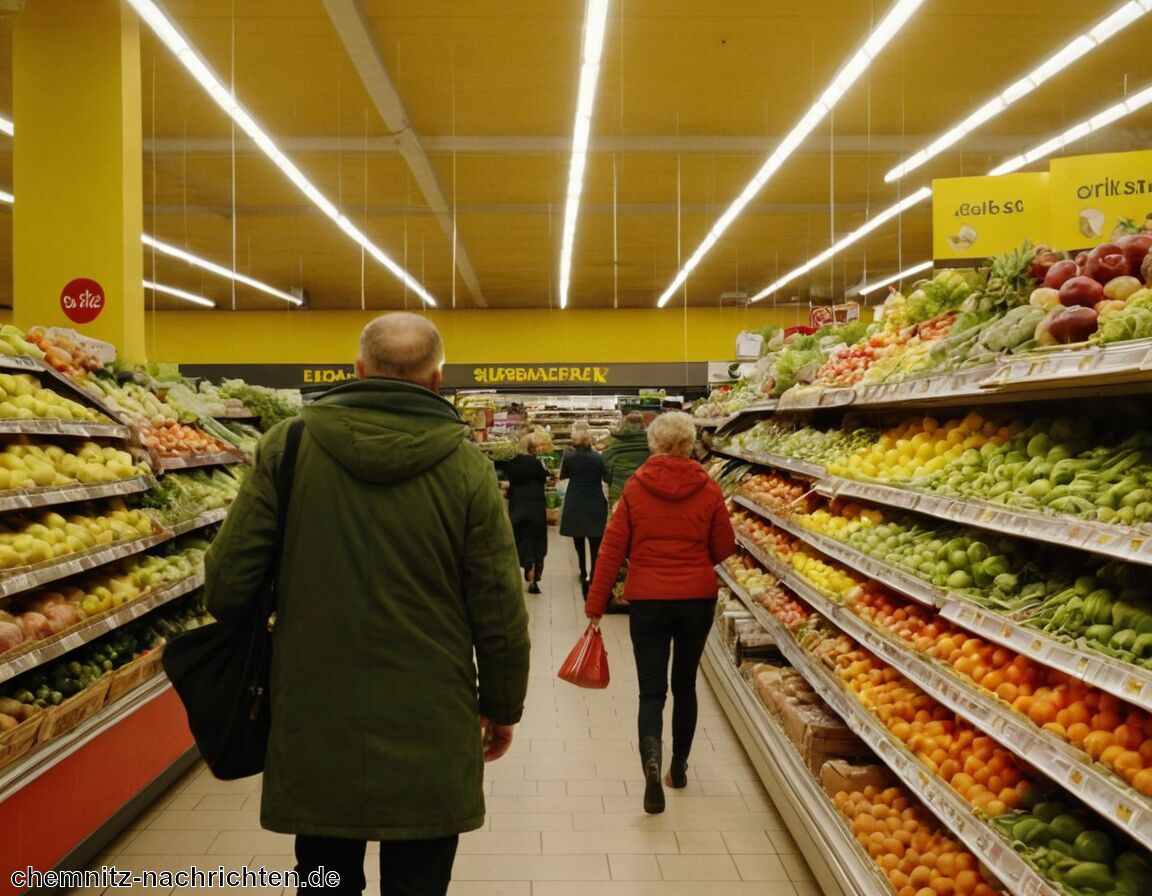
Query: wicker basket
x,y
133,674
19,740
67,715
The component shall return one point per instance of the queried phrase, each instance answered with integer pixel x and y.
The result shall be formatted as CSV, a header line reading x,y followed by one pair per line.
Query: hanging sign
x,y
979,217
1100,197
82,300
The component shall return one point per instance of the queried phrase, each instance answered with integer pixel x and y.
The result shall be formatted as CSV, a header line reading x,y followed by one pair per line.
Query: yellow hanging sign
x,y
1100,197
979,217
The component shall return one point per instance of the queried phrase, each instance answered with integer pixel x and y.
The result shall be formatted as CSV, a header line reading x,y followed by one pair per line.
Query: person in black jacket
x,y
527,479
585,508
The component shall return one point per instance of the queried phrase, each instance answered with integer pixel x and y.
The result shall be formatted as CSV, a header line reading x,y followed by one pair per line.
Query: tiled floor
x,y
564,805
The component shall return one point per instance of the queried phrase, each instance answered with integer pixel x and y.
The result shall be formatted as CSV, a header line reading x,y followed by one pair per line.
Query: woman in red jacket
x,y
672,527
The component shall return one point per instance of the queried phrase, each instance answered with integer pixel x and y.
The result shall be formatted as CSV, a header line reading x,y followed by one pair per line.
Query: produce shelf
x,y
838,862
962,385
200,460
956,814
77,392
907,584
778,461
1117,364
815,398
50,426
1060,761
74,564
207,518
1119,542
45,496
1128,682
713,422
26,657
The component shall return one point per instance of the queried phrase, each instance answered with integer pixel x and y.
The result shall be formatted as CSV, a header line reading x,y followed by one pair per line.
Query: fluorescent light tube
x,y
895,278
171,37
848,74
7,197
1120,19
219,270
6,126
179,293
595,23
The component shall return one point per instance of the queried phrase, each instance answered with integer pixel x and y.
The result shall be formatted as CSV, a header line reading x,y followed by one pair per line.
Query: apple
x,y
1044,297
1081,291
1060,272
1121,288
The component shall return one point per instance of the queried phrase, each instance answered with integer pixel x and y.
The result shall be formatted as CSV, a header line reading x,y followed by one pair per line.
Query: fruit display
x,y
184,495
64,353
1069,847
41,614
23,398
765,589
778,492
36,537
906,842
1093,469
816,446
26,464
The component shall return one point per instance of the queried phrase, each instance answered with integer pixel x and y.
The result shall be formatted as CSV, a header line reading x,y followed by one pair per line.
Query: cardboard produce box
x,y
837,775
819,735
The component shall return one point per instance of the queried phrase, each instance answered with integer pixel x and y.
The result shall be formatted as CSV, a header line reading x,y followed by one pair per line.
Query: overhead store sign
x,y
974,218
1093,196
554,377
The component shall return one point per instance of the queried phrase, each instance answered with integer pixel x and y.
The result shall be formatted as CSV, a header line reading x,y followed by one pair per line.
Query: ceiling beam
x,y
352,26
849,144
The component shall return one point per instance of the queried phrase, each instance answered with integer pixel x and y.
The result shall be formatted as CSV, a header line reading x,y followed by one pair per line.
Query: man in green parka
x,y
401,629
624,453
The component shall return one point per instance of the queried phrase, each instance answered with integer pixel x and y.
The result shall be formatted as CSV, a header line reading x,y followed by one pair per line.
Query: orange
x,y
1078,732
943,886
1096,742
1129,736
1142,781
1108,757
1129,760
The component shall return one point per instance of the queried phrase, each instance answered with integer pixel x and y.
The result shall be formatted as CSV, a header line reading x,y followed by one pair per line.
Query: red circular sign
x,y
82,300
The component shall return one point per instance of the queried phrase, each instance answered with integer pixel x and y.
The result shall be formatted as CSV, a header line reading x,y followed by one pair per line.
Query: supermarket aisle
x,y
564,806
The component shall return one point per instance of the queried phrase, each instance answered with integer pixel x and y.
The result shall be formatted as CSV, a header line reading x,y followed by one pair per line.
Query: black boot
x,y
677,776
651,756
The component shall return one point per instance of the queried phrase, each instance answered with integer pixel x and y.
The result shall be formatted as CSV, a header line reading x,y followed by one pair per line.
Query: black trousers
x,y
663,629
407,867
593,552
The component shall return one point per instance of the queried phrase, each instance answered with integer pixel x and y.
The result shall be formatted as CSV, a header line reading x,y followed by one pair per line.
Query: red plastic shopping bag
x,y
587,663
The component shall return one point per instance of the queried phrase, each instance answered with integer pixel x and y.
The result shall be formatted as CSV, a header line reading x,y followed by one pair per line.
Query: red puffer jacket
x,y
672,527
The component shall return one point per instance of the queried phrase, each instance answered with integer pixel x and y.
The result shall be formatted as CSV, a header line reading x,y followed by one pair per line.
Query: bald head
x,y
402,346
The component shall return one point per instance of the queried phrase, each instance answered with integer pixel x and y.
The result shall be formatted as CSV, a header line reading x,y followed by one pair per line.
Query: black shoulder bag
x,y
221,670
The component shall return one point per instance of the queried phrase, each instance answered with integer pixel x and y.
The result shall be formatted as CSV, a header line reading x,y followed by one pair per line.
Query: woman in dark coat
x,y
585,508
527,479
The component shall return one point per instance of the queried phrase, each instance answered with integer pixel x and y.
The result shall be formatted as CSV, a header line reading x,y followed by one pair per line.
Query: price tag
x,y
1123,812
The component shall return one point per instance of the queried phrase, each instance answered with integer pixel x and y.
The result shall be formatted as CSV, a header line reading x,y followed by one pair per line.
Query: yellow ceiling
x,y
692,98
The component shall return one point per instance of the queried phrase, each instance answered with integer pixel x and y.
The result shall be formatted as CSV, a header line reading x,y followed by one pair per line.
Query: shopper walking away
x,y
624,453
401,630
672,527
585,509
527,509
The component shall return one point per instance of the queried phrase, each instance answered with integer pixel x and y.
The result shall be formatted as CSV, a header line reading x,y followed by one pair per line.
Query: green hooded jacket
x,y
623,455
400,620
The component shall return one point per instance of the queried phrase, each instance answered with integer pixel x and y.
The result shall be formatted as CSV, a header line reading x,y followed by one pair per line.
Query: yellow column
x,y
77,170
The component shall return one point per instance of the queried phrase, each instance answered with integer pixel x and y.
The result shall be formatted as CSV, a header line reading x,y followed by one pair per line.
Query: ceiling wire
x,y
615,239
454,208
232,86
363,254
155,196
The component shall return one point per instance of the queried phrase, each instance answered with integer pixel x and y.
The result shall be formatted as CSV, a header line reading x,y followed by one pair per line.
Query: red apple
x,y
1081,291
1059,272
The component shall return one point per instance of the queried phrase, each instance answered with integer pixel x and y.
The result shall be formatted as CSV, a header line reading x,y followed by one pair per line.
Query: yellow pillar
x,y
77,170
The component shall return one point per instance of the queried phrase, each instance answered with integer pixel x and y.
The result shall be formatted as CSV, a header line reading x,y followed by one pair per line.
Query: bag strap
x,y
285,476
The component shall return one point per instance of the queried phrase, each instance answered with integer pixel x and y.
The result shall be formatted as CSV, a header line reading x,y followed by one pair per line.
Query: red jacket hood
x,y
671,478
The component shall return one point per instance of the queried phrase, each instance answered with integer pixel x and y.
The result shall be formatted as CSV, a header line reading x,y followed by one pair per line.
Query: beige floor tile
x,y
750,842
684,821
513,788
149,842
763,867
562,770
528,821
601,747
554,788
678,801
698,868
806,889
178,861
663,888
505,805
252,841
701,842
274,861
783,842
533,868
634,867
714,788
596,788
204,820
216,802
796,867
490,888
526,843
577,842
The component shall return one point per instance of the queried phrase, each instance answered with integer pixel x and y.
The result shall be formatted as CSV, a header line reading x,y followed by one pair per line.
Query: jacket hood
x,y
384,430
632,438
671,478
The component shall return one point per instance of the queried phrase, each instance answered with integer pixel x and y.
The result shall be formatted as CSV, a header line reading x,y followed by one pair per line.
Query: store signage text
x,y
989,207
1113,186
314,375
495,375
82,300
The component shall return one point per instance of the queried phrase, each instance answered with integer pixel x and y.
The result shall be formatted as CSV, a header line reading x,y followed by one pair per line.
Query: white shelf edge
x,y
80,562
810,807
956,815
801,467
48,496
